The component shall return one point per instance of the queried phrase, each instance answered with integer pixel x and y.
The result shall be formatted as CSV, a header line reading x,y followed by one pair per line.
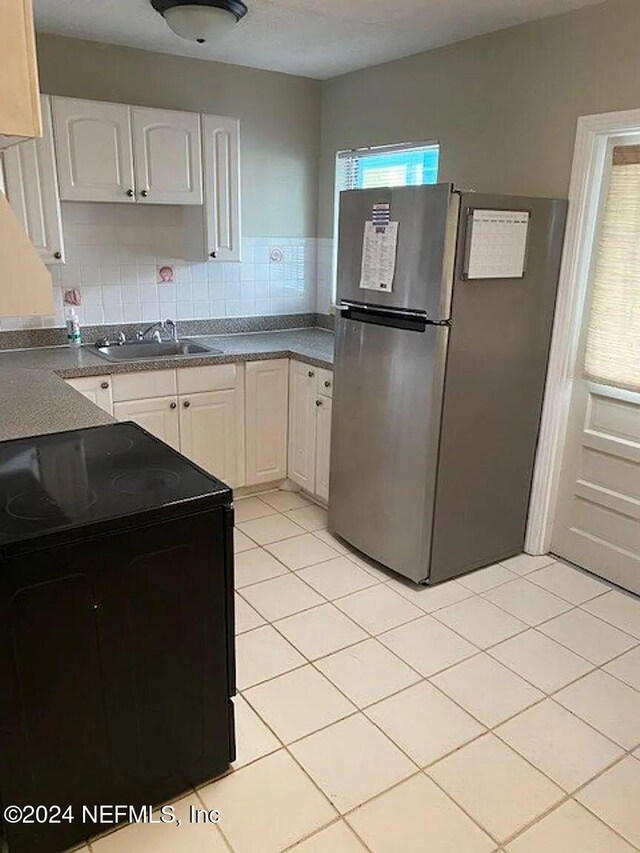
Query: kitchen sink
x,y
134,350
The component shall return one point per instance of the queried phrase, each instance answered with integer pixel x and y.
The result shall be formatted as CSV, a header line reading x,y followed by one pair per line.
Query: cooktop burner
x,y
70,479
41,507
148,481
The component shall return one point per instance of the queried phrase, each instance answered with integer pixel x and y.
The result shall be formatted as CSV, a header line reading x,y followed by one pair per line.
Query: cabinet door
x,y
211,433
93,147
266,401
158,415
302,425
31,186
19,107
97,389
167,156
221,155
323,446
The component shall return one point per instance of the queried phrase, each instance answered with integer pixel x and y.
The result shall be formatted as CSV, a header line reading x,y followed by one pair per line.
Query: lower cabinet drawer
x,y
211,377
144,385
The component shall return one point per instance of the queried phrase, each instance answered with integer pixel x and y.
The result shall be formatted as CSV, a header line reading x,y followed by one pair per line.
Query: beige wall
x,y
279,114
503,106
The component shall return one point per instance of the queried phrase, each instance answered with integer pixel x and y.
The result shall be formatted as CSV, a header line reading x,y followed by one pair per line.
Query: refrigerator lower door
x,y
387,403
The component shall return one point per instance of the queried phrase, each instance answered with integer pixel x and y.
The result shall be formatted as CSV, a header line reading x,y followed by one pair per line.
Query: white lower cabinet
x,y
158,415
211,433
97,389
323,446
266,403
310,392
197,410
302,425
246,424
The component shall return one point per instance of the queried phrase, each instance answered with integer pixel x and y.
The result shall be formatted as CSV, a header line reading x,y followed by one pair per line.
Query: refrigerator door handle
x,y
397,318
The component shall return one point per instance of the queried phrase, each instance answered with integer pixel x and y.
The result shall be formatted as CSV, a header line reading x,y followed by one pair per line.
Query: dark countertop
x,y
35,399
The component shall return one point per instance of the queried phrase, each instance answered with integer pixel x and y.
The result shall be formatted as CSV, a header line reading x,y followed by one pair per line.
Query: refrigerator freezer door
x,y
386,419
427,223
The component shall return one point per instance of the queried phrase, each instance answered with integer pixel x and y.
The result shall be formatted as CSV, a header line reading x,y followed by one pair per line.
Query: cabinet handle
x,y
130,193
57,255
318,402
186,404
104,385
311,374
173,405
213,254
327,383
144,193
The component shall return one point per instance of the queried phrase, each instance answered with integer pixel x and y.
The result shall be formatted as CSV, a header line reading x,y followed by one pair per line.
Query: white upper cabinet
x,y
93,147
167,156
221,152
31,187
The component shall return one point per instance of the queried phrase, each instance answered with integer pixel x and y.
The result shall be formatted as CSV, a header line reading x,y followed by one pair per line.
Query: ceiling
x,y
313,38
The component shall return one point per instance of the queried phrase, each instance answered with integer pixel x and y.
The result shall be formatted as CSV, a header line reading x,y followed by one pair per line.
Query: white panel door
x,y
31,186
221,156
93,148
167,156
97,389
158,415
323,446
212,431
302,425
266,403
598,519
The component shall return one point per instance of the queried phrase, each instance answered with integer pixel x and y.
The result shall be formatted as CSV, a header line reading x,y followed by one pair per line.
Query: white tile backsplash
x,y
324,274
113,252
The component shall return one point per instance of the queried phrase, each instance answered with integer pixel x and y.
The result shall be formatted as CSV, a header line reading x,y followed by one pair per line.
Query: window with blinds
x,y
387,166
613,342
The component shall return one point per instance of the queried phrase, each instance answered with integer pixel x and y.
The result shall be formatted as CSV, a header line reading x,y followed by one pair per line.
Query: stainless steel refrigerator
x,y
442,342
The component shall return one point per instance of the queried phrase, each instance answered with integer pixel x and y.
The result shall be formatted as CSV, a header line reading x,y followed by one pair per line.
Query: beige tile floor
x,y
498,712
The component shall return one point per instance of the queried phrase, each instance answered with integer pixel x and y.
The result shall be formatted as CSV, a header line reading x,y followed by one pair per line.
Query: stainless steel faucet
x,y
168,326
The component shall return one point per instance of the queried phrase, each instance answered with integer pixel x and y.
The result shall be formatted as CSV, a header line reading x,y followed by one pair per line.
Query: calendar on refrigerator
x,y
497,244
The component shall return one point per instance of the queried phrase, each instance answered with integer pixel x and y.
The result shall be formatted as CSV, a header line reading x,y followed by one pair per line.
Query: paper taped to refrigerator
x,y
498,244
379,249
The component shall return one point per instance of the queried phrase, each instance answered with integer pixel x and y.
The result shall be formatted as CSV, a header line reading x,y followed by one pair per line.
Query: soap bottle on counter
x,y
74,337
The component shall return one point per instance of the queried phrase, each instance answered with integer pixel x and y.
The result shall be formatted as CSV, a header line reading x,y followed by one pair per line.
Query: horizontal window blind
x,y
388,166
613,342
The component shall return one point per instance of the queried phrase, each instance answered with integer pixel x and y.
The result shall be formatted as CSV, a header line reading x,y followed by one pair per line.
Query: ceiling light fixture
x,y
201,20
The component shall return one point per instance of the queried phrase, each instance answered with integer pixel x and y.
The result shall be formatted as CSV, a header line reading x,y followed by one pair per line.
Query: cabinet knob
x,y
213,254
130,193
186,404
327,383
318,402
144,193
173,405
311,374
104,385
57,255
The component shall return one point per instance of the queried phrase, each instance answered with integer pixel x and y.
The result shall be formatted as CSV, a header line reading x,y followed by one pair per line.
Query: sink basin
x,y
134,350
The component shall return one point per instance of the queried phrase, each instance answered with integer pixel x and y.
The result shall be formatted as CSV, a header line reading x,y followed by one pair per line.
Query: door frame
x,y
587,175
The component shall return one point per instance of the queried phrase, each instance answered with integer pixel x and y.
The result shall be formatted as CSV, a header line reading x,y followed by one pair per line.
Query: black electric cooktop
x,y
58,482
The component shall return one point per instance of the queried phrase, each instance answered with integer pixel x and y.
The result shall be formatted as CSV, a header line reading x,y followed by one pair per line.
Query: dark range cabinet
x,y
116,648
